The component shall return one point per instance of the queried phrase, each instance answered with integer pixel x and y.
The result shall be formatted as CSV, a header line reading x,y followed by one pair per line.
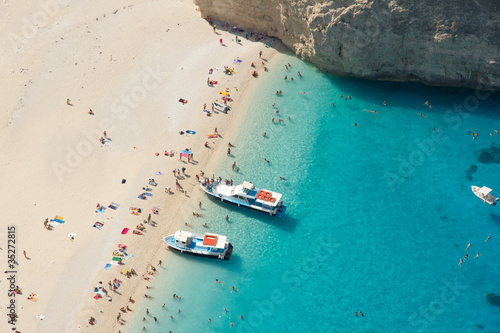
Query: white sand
x,y
131,68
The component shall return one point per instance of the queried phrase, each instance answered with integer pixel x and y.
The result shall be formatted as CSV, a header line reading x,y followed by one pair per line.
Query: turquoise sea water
x,y
378,215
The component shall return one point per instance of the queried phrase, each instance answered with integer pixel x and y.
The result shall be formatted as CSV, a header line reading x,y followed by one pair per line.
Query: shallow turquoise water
x,y
378,216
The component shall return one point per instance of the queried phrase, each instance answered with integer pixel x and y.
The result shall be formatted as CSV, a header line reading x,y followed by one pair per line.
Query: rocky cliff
x,y
437,42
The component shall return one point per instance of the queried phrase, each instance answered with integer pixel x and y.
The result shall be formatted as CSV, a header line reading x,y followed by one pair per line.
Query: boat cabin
x,y
484,191
486,194
183,238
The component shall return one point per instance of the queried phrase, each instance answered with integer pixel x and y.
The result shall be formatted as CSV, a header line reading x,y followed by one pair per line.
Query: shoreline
x,y
217,157
230,128
41,140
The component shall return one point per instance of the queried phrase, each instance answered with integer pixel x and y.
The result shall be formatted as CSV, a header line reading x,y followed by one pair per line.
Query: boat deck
x,y
196,245
246,198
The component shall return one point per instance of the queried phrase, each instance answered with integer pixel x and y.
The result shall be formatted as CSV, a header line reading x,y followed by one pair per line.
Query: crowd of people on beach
x,y
179,175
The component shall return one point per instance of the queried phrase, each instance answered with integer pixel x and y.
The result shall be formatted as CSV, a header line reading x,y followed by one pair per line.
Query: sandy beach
x,y
130,63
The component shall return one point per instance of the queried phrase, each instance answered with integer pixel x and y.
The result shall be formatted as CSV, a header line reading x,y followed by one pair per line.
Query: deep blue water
x,y
378,216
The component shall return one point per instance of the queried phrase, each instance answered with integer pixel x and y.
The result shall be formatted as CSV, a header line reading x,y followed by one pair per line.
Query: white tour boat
x,y
245,196
207,245
485,194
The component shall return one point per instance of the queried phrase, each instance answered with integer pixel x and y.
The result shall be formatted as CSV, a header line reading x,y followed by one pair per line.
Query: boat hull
x,y
277,213
489,199
226,255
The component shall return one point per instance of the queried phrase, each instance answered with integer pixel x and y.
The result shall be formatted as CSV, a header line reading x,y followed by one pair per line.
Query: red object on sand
x,y
221,40
124,231
97,296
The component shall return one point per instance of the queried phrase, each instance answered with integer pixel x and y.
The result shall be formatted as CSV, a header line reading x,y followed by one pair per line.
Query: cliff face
x,y
438,42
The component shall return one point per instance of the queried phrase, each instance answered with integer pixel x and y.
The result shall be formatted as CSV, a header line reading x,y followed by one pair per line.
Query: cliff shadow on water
x,y
403,94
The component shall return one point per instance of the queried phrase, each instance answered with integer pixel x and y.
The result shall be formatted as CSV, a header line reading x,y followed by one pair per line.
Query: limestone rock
x,y
437,42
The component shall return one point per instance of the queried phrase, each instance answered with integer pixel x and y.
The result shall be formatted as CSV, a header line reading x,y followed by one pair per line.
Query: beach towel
x,y
158,173
128,256
115,259
98,225
148,194
107,266
237,61
57,220
190,132
225,93
124,231
124,271
212,136
153,183
101,210
141,197
113,205
115,263
97,297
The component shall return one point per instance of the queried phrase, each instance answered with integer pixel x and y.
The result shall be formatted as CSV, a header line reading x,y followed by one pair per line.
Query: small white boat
x,y
245,196
485,194
207,245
